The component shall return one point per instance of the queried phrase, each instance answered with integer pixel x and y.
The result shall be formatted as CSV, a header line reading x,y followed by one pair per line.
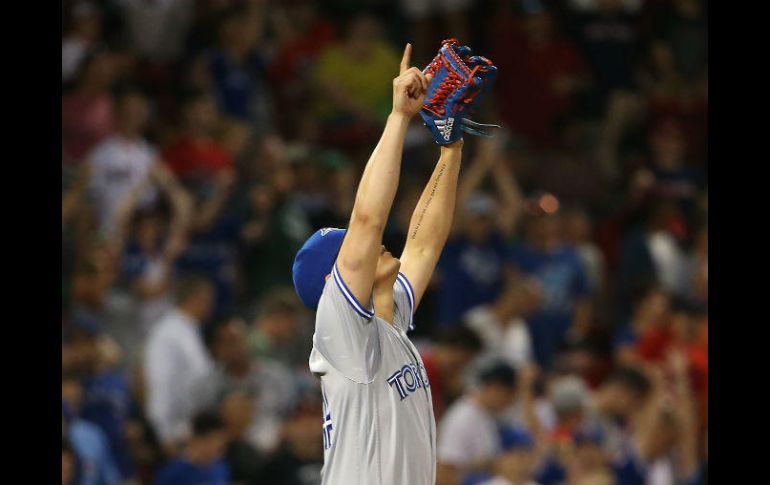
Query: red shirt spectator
x,y
538,73
196,156
86,120
191,157
436,381
87,112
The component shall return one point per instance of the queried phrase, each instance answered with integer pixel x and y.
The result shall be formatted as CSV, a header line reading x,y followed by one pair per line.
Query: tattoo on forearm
x,y
427,203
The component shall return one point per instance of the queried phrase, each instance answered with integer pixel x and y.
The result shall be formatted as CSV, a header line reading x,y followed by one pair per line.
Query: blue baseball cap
x,y
313,262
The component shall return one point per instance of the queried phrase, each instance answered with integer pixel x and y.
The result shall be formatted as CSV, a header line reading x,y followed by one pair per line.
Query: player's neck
x,y
383,301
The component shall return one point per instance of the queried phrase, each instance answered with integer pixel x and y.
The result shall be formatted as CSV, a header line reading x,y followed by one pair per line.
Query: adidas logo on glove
x,y
445,127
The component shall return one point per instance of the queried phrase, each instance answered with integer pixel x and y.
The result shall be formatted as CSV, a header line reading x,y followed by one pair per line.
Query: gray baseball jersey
x,y
378,424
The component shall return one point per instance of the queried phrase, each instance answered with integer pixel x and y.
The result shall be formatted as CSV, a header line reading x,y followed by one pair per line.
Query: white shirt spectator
x,y
667,258
118,166
73,51
175,359
467,434
275,392
510,341
593,261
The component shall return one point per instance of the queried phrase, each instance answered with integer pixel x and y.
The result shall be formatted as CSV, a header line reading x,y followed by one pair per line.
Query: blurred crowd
x,y
565,333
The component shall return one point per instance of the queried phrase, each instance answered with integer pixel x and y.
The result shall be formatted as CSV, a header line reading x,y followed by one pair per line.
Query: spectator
x,y
620,398
589,464
565,308
472,265
275,228
279,331
201,461
570,400
353,96
446,362
206,168
175,358
124,169
196,157
105,398
304,34
243,459
671,96
476,259
515,465
651,311
87,110
607,34
468,437
97,466
300,458
541,72
269,384
651,252
661,445
92,279
238,69
85,31
577,233
502,325
674,178
147,269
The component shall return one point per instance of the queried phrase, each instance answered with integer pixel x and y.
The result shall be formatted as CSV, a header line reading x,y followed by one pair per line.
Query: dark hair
x,y
188,286
630,378
212,331
460,337
498,372
279,302
207,422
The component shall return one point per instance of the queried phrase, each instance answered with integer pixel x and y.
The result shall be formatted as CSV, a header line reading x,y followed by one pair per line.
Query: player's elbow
x,y
369,221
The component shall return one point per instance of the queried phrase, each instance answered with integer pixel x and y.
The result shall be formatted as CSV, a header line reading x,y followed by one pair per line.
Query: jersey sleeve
x,y
346,332
403,297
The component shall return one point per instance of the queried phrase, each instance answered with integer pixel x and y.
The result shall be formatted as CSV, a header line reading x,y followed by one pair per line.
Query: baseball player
x,y
378,423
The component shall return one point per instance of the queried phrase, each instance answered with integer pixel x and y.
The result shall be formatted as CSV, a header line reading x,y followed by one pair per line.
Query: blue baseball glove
x,y
460,81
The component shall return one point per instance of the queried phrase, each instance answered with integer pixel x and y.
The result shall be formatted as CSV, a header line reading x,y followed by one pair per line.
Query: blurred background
x,y
565,334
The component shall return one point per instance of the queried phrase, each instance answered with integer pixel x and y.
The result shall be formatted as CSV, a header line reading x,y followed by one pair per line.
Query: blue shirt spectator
x,y
107,402
182,472
93,451
471,274
563,278
237,69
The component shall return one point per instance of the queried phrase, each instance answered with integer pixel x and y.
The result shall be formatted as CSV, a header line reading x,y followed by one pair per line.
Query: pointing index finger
x,y
405,58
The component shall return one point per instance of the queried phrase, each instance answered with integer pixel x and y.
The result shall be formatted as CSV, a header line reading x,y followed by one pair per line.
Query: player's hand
x,y
409,87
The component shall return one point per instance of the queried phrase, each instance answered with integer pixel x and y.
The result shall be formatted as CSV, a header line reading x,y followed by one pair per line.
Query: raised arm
x,y
357,259
431,221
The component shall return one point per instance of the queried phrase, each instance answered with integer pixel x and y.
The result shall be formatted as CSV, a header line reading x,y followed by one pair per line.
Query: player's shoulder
x,y
337,300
